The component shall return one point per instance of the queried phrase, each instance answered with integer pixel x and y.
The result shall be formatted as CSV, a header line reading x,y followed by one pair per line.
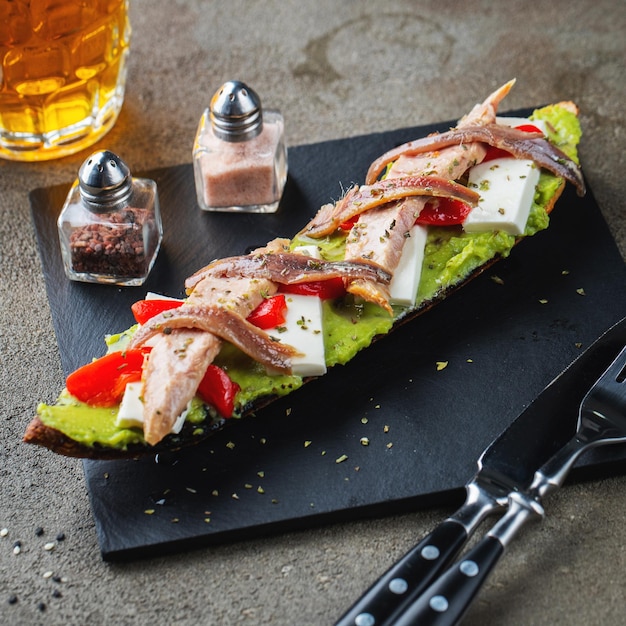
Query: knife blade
x,y
507,464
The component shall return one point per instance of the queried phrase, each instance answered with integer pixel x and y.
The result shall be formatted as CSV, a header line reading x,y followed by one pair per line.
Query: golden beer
x,y
62,75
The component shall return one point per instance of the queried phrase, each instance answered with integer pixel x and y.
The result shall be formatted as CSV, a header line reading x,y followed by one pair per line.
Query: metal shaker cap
x,y
104,180
236,113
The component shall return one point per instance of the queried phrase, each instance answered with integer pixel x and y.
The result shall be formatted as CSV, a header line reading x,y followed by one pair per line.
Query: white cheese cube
x,y
303,330
507,188
406,278
130,414
150,295
311,250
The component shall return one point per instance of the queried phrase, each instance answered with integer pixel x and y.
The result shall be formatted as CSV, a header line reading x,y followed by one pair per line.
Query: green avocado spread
x,y
451,255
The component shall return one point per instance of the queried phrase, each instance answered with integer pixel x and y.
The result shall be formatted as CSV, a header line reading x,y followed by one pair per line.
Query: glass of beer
x,y
62,75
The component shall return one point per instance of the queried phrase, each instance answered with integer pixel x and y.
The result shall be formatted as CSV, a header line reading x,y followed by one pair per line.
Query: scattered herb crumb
x,y
149,511
230,445
389,445
441,365
364,420
497,280
365,441
386,428
342,458
307,443
543,301
581,292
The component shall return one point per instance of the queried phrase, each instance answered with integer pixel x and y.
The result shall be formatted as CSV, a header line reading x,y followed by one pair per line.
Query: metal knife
x,y
508,464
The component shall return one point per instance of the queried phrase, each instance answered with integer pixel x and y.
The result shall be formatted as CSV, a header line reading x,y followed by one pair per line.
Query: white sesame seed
x,y
49,546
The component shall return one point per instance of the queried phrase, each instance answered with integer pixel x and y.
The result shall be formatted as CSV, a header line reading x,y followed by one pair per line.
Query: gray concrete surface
x,y
335,69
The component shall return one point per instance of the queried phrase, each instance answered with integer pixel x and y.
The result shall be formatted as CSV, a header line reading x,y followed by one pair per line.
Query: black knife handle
x,y
405,580
446,600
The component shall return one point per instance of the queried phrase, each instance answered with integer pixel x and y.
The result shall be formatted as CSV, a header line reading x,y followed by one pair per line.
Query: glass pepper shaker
x,y
239,154
110,226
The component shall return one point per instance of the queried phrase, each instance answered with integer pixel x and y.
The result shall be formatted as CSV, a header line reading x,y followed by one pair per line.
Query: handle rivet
x,y
430,553
365,619
439,604
469,568
398,586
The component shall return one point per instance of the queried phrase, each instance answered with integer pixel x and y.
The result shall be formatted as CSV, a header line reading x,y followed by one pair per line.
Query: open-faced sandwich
x,y
430,215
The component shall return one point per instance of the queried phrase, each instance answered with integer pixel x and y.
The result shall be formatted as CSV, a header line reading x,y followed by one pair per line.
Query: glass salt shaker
x,y
110,226
239,154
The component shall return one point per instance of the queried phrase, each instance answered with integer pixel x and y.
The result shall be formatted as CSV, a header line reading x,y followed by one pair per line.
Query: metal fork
x,y
601,421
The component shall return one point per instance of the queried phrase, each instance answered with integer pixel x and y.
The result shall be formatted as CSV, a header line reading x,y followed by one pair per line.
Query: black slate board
x,y
425,427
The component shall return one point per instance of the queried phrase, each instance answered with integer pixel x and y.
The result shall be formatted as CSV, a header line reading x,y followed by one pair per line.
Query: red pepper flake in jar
x,y
110,226
113,247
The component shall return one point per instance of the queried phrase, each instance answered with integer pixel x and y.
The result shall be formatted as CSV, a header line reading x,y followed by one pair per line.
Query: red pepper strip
x,y
529,128
325,289
102,382
143,310
348,224
443,212
270,313
498,153
218,390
